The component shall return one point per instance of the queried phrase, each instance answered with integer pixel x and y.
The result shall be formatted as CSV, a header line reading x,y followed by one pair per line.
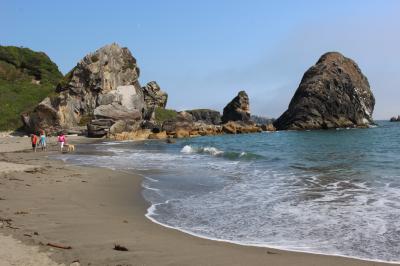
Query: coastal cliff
x,y
333,93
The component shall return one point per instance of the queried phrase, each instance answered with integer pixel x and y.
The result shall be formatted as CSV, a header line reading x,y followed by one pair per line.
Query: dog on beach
x,y
70,147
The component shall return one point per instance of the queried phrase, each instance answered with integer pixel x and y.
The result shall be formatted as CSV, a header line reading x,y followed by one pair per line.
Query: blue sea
x,y
332,192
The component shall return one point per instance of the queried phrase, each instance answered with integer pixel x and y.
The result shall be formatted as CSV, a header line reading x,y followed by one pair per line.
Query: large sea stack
x,y
103,91
332,94
238,109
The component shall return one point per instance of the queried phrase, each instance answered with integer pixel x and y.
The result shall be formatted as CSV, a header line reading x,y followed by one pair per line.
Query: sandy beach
x,y
85,211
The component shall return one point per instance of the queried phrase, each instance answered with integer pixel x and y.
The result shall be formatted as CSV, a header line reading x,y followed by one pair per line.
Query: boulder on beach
x,y
238,109
333,93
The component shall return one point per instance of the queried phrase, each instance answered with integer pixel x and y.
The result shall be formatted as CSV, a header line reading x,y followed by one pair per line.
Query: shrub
x,y
162,114
18,67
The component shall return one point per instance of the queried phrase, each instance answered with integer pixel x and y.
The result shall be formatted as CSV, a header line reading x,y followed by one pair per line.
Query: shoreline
x,y
92,209
265,245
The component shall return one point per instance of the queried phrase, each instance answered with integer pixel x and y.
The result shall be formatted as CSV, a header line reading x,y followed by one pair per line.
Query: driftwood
x,y
58,246
12,227
120,248
20,213
16,179
6,220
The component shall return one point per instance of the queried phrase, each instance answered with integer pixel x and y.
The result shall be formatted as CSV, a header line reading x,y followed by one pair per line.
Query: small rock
x,y
120,248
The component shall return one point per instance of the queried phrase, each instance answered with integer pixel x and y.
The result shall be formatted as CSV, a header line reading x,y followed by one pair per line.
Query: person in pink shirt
x,y
62,140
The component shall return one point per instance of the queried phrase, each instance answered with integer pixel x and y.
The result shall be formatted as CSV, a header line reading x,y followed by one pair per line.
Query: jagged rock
x,y
205,115
115,112
238,109
153,126
395,119
182,133
184,126
99,128
154,97
140,134
268,127
332,94
124,126
45,116
229,128
240,127
183,120
104,84
159,135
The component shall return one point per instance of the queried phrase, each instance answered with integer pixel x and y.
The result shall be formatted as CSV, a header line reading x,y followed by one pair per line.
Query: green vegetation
x,y
26,78
162,114
29,63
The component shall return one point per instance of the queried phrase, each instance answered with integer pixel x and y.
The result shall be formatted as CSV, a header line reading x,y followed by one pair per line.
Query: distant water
x,y
331,192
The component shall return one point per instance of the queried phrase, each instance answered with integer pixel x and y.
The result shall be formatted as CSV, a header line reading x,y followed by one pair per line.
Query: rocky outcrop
x,y
206,116
240,127
238,109
103,91
332,94
268,127
185,125
154,97
395,119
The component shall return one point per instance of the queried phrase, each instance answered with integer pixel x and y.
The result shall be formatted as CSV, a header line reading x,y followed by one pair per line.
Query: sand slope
x,y
14,253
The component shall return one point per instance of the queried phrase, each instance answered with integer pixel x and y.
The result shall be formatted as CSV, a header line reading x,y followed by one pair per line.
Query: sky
x,y
202,53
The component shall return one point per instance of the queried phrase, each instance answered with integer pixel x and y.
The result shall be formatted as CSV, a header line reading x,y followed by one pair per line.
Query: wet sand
x,y
91,209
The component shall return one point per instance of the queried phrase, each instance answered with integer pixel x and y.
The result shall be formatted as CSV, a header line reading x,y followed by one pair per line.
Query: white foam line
x,y
151,210
151,179
150,188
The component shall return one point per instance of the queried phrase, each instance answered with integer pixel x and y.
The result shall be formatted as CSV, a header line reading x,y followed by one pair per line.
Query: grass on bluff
x,y
162,114
26,78
18,97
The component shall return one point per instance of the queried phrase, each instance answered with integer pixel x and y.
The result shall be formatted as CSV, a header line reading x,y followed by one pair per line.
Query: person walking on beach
x,y
34,140
61,139
42,140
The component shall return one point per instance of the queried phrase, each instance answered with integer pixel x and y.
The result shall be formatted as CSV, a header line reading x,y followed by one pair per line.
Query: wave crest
x,y
230,155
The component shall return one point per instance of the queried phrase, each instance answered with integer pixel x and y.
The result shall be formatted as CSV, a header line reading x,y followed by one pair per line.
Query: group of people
x,y
40,141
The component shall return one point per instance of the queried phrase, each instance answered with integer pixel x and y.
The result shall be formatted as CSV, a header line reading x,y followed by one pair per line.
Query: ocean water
x,y
330,191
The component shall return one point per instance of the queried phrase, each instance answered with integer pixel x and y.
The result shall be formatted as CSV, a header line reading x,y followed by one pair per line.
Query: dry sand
x,y
91,209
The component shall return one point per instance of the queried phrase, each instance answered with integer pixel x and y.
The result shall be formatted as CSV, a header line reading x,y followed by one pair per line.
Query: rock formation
x,y
206,116
332,94
238,109
395,119
102,91
154,97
